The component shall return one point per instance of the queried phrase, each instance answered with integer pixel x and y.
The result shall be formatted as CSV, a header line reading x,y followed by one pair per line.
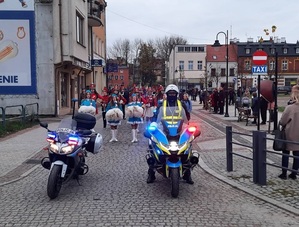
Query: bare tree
x,y
166,44
120,49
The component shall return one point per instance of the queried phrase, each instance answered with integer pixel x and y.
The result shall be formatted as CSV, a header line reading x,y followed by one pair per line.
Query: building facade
x,y
186,65
216,65
66,43
285,55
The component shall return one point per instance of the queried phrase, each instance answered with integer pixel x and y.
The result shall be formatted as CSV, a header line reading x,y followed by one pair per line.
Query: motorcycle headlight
x,y
67,149
173,146
58,149
54,148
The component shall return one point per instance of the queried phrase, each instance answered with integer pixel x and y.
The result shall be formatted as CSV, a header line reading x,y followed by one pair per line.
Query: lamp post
x,y
217,44
180,81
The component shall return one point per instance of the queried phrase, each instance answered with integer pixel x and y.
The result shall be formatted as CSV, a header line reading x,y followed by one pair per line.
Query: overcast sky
x,y
199,21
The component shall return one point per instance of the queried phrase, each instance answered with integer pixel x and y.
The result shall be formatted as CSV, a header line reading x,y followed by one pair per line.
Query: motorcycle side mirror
x,y
44,125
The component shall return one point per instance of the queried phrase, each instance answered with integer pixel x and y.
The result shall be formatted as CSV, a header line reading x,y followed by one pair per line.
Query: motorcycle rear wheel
x,y
54,182
175,177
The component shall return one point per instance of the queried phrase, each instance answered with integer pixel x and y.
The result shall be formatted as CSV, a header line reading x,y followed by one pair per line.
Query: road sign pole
x,y
275,120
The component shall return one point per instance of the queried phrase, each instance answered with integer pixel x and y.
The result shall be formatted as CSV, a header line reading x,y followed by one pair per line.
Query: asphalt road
x,y
115,193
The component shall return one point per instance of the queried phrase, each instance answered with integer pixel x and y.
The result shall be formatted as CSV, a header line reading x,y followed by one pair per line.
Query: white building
x,y
186,65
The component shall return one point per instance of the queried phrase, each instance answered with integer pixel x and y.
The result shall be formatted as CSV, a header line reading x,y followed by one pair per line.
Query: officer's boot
x,y
187,177
151,176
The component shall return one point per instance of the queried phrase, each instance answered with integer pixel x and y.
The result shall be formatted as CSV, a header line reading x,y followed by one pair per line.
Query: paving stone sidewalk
x,y
211,144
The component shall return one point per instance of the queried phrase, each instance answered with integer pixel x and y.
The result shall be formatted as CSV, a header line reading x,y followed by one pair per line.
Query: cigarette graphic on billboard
x,y
8,49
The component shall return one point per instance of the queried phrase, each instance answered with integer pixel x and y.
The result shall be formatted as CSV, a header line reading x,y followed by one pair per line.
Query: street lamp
x,y
217,44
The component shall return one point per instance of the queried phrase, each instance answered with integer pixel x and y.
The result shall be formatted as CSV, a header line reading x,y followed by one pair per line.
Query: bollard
x,y
229,149
259,158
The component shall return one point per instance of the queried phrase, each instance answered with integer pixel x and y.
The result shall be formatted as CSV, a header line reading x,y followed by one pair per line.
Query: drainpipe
x,y
91,53
61,58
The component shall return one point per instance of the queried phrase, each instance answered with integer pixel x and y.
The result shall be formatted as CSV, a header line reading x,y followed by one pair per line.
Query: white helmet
x,y
172,87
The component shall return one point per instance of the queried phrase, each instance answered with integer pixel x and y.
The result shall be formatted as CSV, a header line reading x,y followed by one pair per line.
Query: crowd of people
x,y
135,106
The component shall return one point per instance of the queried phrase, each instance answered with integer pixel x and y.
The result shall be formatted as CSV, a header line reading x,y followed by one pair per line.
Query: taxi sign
x,y
262,69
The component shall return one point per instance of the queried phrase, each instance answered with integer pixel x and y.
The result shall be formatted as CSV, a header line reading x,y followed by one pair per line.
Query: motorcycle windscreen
x,y
67,122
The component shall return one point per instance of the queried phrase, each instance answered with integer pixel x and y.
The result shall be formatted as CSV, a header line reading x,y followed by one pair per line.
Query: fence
x,y
19,112
259,154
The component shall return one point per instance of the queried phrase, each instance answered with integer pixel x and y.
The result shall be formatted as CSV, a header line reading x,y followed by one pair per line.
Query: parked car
x,y
284,90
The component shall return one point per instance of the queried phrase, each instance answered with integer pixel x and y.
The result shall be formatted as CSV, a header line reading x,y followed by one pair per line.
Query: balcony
x,y
95,9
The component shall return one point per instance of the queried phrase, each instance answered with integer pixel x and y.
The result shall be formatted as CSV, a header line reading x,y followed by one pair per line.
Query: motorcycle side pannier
x,y
85,121
95,143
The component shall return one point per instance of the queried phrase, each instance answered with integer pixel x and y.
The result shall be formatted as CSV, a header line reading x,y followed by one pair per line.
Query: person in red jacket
x,y
150,105
104,101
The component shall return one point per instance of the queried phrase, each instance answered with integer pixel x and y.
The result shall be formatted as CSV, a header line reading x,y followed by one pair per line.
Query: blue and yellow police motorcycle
x,y
170,150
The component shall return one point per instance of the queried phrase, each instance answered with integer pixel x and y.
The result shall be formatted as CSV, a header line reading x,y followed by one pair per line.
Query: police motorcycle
x,y
170,150
67,149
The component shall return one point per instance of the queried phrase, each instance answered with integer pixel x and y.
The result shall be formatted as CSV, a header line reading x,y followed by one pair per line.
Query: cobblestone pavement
x,y
115,193
283,193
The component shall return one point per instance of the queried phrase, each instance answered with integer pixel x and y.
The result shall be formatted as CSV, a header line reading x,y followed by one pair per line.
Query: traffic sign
x,y
259,57
96,62
259,69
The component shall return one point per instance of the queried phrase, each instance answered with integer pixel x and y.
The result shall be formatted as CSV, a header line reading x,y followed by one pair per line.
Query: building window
x,y
284,65
290,81
213,72
297,50
231,72
199,65
272,65
180,49
79,28
181,65
272,50
222,71
247,50
187,49
285,50
201,49
194,49
190,65
116,77
247,65
121,77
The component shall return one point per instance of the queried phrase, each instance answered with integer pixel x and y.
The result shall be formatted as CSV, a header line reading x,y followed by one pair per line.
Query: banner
x,y
17,47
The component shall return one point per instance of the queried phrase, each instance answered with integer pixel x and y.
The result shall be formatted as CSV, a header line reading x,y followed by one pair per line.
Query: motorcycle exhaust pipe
x,y
194,159
150,159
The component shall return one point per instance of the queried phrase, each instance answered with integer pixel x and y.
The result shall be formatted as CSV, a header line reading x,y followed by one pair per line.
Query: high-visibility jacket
x,y
170,116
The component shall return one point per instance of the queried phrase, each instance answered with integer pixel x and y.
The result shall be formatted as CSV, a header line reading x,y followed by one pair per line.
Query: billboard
x,y
17,47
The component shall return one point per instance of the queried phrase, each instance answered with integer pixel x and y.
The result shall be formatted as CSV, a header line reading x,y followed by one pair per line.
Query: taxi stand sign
x,y
260,69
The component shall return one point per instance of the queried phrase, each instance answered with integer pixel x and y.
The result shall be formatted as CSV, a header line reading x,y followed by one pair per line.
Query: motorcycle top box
x,y
85,121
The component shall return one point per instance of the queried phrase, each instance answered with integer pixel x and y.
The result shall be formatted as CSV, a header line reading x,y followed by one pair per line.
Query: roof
x,y
218,54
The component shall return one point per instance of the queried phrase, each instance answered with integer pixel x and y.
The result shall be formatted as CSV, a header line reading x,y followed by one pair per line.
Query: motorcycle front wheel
x,y
174,177
54,182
